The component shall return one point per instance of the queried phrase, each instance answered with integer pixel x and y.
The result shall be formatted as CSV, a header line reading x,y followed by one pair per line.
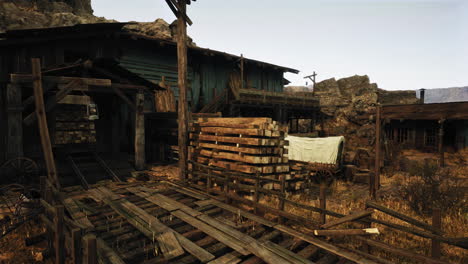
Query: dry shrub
x,y
434,188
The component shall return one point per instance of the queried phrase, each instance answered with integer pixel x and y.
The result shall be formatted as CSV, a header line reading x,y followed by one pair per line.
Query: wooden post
x,y
323,203
90,249
182,74
42,121
441,143
257,192
282,196
436,223
378,131
208,182
226,188
14,143
76,246
372,190
59,235
140,160
242,71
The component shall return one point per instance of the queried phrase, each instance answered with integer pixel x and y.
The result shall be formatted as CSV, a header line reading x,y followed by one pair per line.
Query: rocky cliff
x,y
349,101
25,14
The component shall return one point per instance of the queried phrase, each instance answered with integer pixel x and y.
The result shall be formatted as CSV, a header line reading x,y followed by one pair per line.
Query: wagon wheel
x,y
20,170
324,176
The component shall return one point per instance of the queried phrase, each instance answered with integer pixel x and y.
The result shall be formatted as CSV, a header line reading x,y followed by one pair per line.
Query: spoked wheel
x,y
324,176
20,170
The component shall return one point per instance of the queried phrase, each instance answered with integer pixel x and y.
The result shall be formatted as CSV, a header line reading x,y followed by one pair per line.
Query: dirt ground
x,y
13,248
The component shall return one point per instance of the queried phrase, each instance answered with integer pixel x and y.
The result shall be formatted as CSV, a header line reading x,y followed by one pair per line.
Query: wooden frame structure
x,y
438,112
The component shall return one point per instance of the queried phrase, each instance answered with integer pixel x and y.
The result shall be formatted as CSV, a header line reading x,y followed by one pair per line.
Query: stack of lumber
x,y
165,101
73,127
252,146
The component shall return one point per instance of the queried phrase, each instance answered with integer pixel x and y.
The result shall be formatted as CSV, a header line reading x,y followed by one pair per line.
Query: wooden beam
x,y
28,78
42,122
14,142
401,252
125,98
59,235
441,143
182,83
402,217
348,218
52,102
347,232
90,249
378,131
140,159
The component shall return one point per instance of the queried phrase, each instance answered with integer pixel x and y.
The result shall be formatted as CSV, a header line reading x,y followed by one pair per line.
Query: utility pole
x,y
179,8
311,77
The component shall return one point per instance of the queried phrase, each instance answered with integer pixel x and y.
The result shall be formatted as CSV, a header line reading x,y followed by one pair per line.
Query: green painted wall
x,y
208,76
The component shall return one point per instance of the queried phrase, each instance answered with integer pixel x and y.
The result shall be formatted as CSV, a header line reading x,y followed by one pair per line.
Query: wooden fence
x,y
247,189
65,237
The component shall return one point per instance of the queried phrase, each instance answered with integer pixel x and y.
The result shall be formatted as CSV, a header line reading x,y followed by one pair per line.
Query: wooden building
x,y
105,66
429,127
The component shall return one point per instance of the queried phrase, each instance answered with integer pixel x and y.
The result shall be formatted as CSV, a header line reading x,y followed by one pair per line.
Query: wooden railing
x,y
247,189
65,237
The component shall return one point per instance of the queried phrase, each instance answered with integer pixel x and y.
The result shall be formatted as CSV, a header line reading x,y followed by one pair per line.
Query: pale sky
x,y
399,44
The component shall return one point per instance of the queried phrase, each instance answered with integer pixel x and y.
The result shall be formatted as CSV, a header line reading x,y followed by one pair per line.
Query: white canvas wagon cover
x,y
316,150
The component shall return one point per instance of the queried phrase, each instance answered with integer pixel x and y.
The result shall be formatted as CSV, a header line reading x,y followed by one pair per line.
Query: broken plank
x,y
151,225
251,244
107,253
347,232
222,237
169,245
348,218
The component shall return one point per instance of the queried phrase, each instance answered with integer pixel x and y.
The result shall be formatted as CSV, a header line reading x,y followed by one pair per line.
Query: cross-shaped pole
x,y
311,77
179,8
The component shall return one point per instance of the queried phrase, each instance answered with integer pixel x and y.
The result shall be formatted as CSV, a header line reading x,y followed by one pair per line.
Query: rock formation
x,y
26,14
349,101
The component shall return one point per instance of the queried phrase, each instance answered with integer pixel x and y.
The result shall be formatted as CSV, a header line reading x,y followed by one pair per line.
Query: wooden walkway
x,y
166,223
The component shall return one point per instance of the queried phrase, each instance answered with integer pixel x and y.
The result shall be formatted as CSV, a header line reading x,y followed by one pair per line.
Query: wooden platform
x,y
167,223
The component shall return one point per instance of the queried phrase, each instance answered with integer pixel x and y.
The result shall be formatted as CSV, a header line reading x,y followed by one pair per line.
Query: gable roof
x,y
13,37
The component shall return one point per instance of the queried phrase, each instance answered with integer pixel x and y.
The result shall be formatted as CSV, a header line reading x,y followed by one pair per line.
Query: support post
x,y
182,82
90,249
323,202
15,122
282,197
242,70
436,223
378,131
441,143
76,246
42,121
257,192
140,160
59,240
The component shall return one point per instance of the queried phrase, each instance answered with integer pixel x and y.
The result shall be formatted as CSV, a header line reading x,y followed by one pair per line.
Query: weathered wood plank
x,y
324,245
107,252
222,237
169,245
148,224
348,218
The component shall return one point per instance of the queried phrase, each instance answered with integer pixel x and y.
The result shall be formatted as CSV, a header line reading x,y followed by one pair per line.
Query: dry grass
x,y
344,197
13,249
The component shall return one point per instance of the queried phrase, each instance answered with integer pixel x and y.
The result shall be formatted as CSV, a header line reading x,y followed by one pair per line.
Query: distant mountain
x,y
445,95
